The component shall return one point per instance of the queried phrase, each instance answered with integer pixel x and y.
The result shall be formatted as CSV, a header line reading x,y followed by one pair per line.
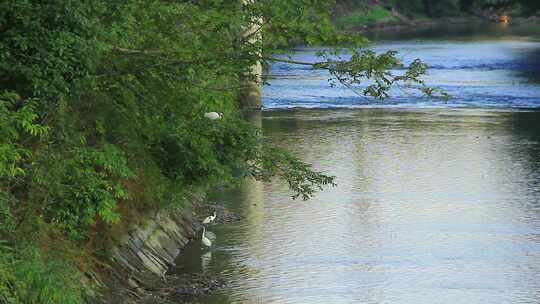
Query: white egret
x,y
206,242
210,235
213,115
209,219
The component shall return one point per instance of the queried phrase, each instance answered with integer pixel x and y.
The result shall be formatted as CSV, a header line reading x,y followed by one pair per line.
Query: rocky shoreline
x,y
138,268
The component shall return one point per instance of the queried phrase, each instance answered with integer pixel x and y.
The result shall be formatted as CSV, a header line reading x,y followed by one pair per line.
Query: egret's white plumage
x,y
210,235
213,115
209,219
206,242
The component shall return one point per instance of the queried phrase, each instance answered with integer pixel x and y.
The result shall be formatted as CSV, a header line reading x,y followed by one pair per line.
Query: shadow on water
x,y
526,129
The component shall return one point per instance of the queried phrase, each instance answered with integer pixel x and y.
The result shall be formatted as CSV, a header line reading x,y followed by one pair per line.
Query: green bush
x,y
27,278
83,186
369,16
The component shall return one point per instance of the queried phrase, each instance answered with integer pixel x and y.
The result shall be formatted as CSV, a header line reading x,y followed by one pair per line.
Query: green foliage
x,y
528,7
303,21
369,16
441,8
353,13
82,186
17,118
44,46
300,177
367,65
216,151
7,290
412,8
26,278
96,94
102,112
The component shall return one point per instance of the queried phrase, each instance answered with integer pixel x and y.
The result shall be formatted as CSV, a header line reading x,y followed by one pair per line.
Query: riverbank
x,y
384,16
426,23
414,24
137,270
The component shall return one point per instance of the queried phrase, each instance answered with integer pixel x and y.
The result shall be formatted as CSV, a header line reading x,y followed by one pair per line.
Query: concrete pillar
x,y
251,95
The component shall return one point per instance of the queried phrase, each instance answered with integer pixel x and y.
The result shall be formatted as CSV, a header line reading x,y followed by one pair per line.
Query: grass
x,y
370,16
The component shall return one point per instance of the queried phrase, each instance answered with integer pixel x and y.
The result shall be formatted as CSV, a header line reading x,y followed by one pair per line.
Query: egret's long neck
x,y
203,230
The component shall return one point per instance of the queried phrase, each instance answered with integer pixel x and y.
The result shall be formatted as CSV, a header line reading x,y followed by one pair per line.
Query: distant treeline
x,y
440,8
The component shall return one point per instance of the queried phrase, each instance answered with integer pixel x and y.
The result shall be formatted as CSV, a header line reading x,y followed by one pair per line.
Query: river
x,y
436,202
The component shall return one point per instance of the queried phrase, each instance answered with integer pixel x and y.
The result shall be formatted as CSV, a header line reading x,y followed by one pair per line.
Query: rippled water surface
x,y
436,203
480,66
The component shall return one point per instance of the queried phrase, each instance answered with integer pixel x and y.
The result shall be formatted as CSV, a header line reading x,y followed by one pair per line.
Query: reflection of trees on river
x,y
525,129
252,198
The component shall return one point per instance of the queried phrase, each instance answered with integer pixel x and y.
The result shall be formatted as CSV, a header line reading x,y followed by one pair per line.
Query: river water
x,y
436,202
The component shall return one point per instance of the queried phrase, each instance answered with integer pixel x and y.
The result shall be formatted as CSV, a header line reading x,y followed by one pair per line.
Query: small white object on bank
x,y
209,219
213,115
206,242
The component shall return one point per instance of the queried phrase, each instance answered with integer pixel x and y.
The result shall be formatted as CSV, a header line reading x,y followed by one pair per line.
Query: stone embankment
x,y
138,265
